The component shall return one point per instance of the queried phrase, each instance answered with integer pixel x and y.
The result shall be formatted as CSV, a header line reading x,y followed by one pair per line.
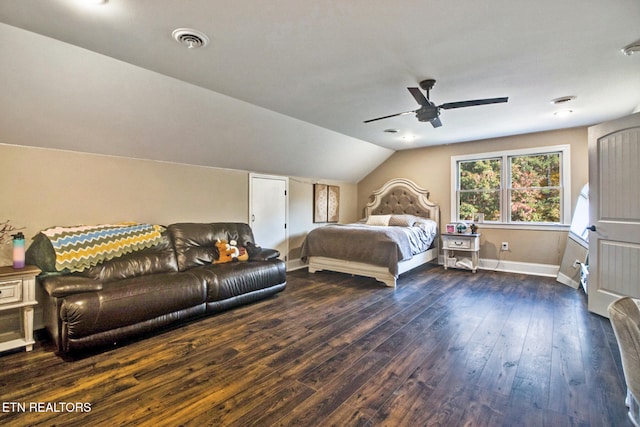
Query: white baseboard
x,y
532,269
529,268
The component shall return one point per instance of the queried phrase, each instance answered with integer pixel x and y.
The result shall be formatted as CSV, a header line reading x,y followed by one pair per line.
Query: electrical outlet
x,y
505,246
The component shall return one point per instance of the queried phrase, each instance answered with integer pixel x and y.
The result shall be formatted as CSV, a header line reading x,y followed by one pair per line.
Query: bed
x,y
376,246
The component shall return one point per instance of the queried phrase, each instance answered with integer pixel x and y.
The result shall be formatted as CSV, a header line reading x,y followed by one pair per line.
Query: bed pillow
x,y
378,220
402,220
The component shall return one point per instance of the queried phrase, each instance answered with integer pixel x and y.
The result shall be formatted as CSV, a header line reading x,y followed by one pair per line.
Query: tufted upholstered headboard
x,y
402,196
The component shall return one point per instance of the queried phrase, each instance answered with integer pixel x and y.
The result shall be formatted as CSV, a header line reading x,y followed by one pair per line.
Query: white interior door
x,y
268,211
614,209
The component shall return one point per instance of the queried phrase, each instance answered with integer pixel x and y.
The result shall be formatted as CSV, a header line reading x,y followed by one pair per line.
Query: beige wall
x,y
301,211
431,168
42,187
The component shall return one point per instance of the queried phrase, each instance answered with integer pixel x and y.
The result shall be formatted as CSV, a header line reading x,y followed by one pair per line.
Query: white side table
x,y
18,291
465,244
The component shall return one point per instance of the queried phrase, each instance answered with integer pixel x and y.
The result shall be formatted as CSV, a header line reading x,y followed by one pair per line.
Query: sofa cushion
x,y
157,259
237,278
130,301
194,243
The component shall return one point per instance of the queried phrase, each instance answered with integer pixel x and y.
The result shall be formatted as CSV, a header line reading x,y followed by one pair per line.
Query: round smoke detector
x,y
190,38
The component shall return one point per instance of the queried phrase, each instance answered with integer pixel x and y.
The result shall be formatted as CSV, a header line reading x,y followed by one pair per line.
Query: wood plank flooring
x,y
445,348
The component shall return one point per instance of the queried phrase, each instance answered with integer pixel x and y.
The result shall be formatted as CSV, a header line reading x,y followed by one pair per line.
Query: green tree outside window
x,y
480,189
531,184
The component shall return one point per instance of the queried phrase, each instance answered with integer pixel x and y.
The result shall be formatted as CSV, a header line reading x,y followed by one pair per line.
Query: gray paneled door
x,y
614,209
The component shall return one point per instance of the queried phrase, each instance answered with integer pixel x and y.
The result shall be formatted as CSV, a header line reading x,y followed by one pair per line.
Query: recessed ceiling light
x,y
95,1
190,38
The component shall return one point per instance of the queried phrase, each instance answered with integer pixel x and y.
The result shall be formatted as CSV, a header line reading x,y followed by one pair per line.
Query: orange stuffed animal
x,y
225,252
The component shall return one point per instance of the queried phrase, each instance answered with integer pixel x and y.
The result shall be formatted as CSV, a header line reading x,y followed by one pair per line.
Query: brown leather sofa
x,y
146,290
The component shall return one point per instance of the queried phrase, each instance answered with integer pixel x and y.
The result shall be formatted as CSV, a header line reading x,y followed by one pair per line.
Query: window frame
x,y
505,186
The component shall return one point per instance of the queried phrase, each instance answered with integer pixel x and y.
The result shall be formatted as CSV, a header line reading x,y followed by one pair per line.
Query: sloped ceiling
x,y
284,86
56,95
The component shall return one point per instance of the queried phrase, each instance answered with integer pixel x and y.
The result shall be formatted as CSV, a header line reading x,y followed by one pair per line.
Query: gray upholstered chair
x,y
625,320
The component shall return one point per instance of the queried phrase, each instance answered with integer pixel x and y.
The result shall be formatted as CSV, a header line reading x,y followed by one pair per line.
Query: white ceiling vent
x,y
190,38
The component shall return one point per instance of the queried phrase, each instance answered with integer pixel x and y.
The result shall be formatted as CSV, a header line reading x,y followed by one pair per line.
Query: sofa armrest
x,y
61,286
265,254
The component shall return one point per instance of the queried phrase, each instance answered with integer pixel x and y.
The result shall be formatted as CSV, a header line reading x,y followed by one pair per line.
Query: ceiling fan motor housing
x,y
427,113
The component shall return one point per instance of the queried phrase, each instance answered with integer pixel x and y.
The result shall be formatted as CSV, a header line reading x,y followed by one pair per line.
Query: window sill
x,y
536,227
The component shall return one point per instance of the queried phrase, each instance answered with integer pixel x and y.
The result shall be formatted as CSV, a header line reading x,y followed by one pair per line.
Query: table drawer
x,y
458,243
10,291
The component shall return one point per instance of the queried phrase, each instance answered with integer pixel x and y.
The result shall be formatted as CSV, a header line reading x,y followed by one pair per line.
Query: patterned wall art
x,y
320,193
333,203
326,203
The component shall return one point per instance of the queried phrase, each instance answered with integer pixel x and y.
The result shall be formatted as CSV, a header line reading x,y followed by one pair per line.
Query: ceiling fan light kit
x,y
632,48
563,113
429,111
563,101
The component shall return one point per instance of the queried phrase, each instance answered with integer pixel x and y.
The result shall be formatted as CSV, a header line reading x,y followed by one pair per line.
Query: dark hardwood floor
x,y
445,348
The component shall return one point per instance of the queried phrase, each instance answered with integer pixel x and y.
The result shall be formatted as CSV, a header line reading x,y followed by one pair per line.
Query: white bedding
x,y
421,235
419,231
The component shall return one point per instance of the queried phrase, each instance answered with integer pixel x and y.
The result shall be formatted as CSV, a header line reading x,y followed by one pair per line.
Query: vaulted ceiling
x,y
284,86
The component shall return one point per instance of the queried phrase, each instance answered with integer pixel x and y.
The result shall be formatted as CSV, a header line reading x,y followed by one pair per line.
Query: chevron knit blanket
x,y
81,247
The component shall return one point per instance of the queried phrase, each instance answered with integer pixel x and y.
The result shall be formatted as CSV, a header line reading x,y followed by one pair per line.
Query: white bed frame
x,y
398,196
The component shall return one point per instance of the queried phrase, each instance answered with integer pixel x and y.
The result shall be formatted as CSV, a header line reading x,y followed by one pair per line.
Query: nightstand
x,y
467,245
18,291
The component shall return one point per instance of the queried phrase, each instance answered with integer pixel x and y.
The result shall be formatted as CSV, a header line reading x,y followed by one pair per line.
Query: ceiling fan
x,y
430,112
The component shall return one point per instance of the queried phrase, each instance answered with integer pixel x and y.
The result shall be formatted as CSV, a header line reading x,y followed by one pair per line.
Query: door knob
x,y
592,228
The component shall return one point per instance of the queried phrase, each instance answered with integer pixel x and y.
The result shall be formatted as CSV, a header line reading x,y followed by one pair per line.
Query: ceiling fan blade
x,y
419,96
471,103
391,115
436,123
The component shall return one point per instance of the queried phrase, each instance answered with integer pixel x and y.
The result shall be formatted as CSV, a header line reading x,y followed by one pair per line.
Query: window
x,y
580,220
519,187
